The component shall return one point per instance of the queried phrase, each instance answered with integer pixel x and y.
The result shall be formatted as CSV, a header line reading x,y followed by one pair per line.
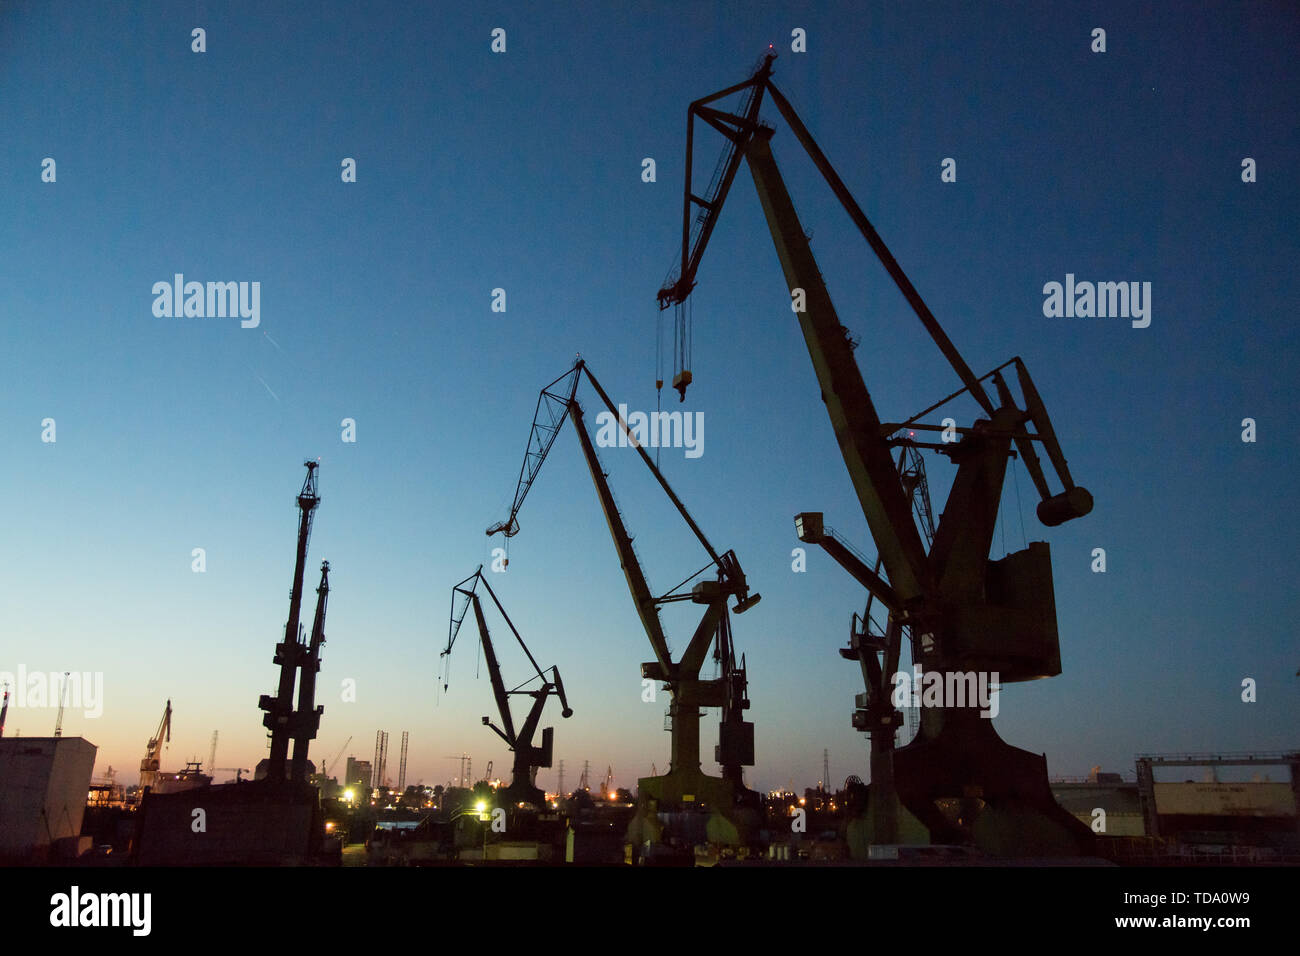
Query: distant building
x,y
44,783
1106,802
1216,814
191,778
358,774
328,786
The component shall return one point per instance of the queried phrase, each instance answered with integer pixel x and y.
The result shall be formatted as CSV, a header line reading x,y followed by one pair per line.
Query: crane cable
x,y
659,350
1020,509
659,370
1002,522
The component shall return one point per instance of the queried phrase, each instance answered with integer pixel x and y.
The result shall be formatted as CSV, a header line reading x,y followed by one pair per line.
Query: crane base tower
x,y
959,782
695,808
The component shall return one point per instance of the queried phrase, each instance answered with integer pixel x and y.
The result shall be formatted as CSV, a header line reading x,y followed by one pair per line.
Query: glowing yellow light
x,y
480,806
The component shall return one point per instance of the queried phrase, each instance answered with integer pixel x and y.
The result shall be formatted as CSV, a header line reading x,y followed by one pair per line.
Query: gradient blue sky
x,y
522,171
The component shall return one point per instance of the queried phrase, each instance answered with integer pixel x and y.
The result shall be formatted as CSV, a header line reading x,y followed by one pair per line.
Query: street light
x,y
479,810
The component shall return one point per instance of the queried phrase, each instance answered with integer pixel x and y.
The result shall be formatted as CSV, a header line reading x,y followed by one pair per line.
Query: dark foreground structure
x,y
246,823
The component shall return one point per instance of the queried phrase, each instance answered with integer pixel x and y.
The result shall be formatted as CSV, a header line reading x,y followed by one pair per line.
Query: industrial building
x,y
358,774
1211,816
44,782
1105,801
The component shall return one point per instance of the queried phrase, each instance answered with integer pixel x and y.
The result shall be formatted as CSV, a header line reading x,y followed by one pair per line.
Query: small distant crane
x,y
324,770
152,761
463,758
63,693
528,758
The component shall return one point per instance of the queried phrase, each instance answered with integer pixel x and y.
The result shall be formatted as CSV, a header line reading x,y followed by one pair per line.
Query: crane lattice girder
x,y
552,406
681,280
744,134
545,428
548,419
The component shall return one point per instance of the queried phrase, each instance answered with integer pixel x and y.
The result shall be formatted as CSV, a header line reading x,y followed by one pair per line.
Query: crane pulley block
x,y
680,382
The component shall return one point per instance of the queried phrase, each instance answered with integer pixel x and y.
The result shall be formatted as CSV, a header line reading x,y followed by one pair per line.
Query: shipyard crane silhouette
x,y
152,761
528,758
276,818
284,721
325,769
685,788
964,613
63,695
